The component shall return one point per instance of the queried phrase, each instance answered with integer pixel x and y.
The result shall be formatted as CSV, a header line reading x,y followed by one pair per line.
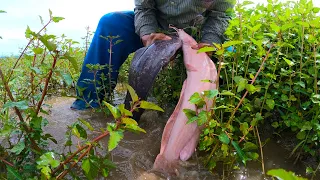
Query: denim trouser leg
x,y
112,24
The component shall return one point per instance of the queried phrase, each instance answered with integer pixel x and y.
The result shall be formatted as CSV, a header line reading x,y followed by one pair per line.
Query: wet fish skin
x,y
179,139
147,62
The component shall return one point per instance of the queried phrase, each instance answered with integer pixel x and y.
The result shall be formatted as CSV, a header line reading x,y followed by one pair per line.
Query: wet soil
x,y
135,154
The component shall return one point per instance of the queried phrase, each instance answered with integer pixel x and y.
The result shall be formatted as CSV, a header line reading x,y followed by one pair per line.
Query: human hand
x,y
150,38
201,45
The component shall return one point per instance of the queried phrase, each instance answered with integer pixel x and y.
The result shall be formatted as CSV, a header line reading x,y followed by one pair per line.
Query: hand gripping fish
x,y
145,66
180,139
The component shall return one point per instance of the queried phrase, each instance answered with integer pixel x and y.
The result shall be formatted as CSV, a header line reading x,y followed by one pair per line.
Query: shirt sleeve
x,y
217,21
145,21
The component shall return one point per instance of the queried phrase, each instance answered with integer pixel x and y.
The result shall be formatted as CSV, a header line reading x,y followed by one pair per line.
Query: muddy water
x,y
135,154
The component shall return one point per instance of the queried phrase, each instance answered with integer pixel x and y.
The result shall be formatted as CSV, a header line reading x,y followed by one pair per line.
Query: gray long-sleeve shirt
x,y
211,15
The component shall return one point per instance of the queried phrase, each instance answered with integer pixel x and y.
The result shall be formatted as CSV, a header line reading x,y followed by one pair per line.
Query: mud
x,y
136,153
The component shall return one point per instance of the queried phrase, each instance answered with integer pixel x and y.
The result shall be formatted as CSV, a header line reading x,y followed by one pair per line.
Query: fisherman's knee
x,y
111,20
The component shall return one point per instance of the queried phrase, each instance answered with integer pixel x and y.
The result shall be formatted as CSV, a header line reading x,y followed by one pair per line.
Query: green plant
x,y
48,62
274,70
283,174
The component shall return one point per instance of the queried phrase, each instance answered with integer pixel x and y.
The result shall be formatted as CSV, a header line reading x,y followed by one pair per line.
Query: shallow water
x,y
135,154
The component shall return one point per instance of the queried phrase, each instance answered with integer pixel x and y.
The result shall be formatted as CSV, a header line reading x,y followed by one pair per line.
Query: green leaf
x,y
290,63
105,172
149,105
275,27
135,128
240,153
251,88
212,164
195,98
270,103
57,19
23,105
301,135
75,131
46,171
207,80
82,131
86,123
316,98
309,170
86,165
223,137
124,112
189,113
132,92
36,122
50,13
28,32
210,94
225,150
256,27
226,93
37,50
252,155
114,111
72,60
245,3
202,118
67,78
249,146
242,84
49,44
231,43
304,24
306,126
115,138
118,41
2,11
109,163
237,79
18,148
129,121
13,174
193,119
207,49
282,174
35,70
275,124
287,26
300,83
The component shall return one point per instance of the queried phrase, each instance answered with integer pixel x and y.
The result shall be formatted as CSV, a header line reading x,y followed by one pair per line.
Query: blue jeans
x,y
112,24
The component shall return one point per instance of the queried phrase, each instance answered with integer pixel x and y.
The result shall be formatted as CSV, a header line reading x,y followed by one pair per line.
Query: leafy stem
x,y
252,82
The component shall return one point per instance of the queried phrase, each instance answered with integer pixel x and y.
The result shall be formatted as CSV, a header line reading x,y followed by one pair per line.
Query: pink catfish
x,y
180,139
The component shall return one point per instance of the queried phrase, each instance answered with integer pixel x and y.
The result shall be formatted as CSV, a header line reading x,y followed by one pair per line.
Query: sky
x,y
78,15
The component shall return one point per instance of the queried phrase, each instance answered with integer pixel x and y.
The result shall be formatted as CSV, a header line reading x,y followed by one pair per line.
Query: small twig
x,y
7,88
211,154
6,162
261,152
24,50
110,69
68,160
65,172
315,171
44,93
242,138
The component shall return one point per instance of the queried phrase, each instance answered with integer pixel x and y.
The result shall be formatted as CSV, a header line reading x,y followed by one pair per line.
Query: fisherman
x,y
142,27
